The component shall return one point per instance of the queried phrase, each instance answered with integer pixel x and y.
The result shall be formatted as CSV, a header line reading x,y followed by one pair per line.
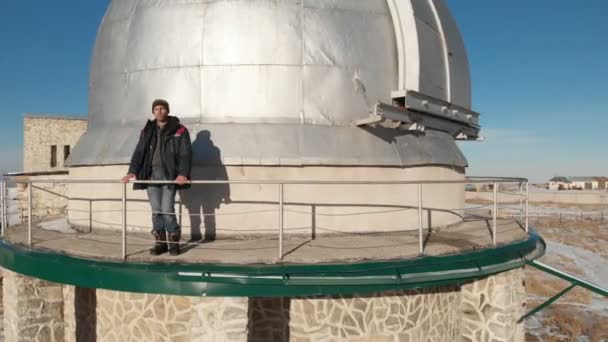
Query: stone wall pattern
x,y
33,309
413,315
142,317
48,199
41,132
492,306
484,310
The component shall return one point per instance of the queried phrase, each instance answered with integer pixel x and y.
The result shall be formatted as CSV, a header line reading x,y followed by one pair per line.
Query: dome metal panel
x,y
313,63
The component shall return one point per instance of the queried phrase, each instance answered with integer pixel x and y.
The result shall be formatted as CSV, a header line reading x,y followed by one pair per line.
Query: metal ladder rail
x,y
574,282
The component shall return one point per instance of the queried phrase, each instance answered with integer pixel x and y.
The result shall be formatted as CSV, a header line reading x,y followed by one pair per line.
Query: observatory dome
x,y
292,90
275,82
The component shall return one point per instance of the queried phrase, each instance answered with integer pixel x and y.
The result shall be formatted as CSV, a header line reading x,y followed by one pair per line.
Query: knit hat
x,y
160,102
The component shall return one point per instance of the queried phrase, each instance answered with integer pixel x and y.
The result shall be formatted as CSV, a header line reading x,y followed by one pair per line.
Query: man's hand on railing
x,y
128,177
181,180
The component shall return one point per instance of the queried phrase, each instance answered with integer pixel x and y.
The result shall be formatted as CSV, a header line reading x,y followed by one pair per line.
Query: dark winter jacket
x,y
176,152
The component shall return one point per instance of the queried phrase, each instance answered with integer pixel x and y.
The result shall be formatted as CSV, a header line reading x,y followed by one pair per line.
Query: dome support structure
x,y
420,112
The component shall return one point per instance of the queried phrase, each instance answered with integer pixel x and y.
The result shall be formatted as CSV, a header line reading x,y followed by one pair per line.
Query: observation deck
x,y
485,242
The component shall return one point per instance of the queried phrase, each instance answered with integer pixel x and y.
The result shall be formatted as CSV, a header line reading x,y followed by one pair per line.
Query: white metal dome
x,y
281,62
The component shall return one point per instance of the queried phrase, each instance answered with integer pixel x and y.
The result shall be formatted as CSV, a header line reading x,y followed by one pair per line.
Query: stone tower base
x,y
484,310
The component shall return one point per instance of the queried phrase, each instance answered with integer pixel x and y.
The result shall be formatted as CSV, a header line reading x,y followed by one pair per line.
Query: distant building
x,y
48,141
584,183
559,183
602,182
578,183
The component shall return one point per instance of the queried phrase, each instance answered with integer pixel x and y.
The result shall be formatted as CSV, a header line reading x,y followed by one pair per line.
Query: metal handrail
x,y
276,182
281,183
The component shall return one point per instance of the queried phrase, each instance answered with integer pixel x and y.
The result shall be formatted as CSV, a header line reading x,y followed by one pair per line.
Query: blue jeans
x,y
162,201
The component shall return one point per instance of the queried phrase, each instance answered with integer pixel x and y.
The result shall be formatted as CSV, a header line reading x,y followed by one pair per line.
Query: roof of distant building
x,y
560,180
582,179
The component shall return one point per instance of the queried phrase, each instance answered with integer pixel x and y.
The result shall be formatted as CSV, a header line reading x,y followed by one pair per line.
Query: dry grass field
x,y
581,249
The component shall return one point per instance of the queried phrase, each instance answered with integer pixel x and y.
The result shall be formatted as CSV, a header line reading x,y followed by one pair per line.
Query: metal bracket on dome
x,y
419,112
427,104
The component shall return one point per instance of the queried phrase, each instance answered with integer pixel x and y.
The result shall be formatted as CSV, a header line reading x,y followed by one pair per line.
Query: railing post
x,y
180,212
464,208
521,202
494,212
313,209
3,200
281,222
527,204
124,221
29,213
420,242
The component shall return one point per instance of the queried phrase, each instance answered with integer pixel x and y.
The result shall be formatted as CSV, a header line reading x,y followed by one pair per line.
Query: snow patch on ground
x,y
592,265
59,225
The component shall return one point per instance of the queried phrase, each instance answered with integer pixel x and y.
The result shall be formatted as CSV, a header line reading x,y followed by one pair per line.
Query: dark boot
x,y
174,243
160,246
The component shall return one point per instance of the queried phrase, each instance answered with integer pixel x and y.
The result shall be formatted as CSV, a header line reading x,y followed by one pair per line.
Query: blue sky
x,y
539,72
44,64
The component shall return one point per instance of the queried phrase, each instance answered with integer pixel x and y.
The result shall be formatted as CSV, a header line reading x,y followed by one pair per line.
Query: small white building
x,y
559,183
578,183
584,183
602,182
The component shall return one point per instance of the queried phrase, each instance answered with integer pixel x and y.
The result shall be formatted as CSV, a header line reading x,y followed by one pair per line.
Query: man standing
x,y
164,152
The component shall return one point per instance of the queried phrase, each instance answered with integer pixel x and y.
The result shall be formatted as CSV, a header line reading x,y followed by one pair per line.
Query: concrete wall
x,y
556,185
585,185
47,199
484,310
13,206
40,133
253,209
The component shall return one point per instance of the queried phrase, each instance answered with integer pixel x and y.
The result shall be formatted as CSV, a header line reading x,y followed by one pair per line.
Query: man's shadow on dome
x,y
207,165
